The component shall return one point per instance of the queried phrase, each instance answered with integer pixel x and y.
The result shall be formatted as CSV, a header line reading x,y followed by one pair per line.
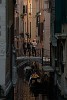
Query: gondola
x,y
34,83
34,78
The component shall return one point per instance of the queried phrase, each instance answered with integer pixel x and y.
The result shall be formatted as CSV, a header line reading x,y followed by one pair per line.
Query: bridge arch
x,y
23,62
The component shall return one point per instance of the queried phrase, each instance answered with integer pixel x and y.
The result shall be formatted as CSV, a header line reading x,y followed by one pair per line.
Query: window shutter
x,y
23,9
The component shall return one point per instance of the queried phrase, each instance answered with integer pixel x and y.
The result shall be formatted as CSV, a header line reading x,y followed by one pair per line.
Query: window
x,y
24,9
30,29
30,8
25,27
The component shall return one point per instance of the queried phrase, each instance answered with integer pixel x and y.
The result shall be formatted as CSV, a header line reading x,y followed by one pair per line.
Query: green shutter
x,y
58,16
65,11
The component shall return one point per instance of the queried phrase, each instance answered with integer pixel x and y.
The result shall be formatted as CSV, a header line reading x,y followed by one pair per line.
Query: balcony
x,y
62,36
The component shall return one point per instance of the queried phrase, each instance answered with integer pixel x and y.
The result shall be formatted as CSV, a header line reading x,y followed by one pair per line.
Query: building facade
x,y
6,43
29,12
59,43
25,23
46,32
18,28
40,19
32,21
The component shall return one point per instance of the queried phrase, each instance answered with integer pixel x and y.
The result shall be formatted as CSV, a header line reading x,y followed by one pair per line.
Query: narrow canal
x,y
22,89
22,92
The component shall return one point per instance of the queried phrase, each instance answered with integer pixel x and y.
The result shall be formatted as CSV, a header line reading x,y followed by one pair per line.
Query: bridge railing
x,y
42,56
40,52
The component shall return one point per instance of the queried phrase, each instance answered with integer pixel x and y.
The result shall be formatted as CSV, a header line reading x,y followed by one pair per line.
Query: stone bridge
x,y
24,59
